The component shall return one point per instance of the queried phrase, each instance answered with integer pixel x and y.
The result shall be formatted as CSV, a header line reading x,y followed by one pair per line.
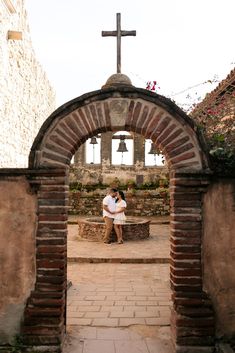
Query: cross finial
x,y
118,33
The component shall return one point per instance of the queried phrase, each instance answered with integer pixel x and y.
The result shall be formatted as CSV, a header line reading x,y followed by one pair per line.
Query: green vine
x,y
17,346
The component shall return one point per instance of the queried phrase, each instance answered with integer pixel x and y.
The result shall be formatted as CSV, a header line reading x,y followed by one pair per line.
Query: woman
x,y
119,216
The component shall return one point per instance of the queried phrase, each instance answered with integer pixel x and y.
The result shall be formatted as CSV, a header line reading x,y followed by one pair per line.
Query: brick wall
x,y
192,319
26,96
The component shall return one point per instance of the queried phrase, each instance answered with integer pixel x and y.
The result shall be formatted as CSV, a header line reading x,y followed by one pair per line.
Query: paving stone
x,y
111,308
98,346
134,308
122,314
126,294
124,303
105,322
159,346
131,321
116,297
112,333
164,303
72,308
104,302
146,314
95,297
73,345
124,289
153,308
144,293
75,314
164,311
105,293
87,332
137,297
89,308
81,302
94,315
124,346
159,321
155,298
146,303
78,321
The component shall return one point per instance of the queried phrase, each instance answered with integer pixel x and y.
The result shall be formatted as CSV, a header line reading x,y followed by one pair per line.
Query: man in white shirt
x,y
109,207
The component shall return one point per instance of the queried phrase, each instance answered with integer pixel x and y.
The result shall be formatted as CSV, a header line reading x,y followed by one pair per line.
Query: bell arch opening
x,y
174,133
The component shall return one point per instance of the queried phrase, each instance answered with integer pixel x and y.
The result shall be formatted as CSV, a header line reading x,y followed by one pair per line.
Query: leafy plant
x,y
131,184
17,346
223,160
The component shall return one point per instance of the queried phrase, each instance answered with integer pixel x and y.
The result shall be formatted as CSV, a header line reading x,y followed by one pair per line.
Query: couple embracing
x,y
114,205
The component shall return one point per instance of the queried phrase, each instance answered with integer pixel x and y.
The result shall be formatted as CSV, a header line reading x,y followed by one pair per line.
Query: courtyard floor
x,y
154,249
119,307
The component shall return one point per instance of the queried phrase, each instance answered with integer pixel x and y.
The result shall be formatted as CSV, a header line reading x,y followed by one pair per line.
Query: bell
x,y
154,149
122,147
93,141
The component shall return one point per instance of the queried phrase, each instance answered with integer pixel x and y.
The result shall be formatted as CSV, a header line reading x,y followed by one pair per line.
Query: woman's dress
x,y
120,218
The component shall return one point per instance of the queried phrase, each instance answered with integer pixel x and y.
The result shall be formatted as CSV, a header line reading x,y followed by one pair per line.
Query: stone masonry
x,y
142,203
26,96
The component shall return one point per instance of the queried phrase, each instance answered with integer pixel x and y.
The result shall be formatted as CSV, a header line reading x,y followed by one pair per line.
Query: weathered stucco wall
x,y
17,252
219,253
26,96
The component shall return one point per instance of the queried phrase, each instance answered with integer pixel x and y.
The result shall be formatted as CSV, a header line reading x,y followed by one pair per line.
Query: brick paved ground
x,y
118,308
155,249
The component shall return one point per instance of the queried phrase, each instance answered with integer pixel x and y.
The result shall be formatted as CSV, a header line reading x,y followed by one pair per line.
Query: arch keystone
x,y
118,110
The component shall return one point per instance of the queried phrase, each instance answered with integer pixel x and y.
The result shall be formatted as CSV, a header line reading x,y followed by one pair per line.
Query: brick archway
x,y
155,117
129,109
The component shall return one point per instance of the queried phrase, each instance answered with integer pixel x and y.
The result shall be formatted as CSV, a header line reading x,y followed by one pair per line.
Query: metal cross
x,y
118,33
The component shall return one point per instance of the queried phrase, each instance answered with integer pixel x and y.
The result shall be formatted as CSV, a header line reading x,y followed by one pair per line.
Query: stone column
x,y
192,319
139,148
80,155
106,146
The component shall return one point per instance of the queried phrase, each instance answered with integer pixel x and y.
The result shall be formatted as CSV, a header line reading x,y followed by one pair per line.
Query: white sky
x,y
179,43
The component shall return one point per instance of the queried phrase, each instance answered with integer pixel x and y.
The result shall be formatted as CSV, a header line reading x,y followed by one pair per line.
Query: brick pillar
x,y
44,318
192,319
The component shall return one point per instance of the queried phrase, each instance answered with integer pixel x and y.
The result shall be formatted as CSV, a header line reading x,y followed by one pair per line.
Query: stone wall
x,y
26,96
139,202
17,252
106,173
219,253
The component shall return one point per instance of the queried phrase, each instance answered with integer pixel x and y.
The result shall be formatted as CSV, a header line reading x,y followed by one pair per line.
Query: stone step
x,y
121,260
